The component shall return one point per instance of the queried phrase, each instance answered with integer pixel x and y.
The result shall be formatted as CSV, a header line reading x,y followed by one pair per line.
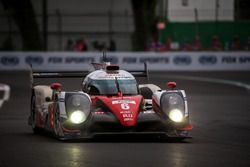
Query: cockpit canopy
x,y
109,87
104,83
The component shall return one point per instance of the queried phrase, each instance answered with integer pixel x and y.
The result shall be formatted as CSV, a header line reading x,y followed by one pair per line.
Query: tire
x,y
32,118
57,123
146,92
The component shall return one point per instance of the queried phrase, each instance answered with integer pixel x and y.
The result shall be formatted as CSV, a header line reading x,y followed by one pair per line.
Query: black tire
x,y
146,92
57,123
32,118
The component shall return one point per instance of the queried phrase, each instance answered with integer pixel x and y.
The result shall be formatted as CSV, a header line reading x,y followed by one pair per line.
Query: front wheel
x,y
32,118
57,123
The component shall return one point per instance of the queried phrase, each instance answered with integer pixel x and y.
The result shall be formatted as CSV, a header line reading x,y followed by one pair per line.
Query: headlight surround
x,y
173,100
173,105
78,107
76,101
77,117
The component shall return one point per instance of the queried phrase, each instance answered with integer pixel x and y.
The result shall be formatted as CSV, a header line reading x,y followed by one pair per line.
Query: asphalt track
x,y
220,115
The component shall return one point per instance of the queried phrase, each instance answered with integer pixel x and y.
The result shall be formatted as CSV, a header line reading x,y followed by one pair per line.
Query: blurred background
x,y
124,25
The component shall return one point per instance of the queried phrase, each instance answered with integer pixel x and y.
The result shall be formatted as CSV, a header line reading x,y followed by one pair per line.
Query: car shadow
x,y
130,139
46,136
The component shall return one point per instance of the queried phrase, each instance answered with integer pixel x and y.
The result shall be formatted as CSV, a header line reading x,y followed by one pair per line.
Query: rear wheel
x,y
146,92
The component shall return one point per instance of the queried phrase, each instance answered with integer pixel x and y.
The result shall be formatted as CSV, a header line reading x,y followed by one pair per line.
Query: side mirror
x,y
171,85
48,99
56,86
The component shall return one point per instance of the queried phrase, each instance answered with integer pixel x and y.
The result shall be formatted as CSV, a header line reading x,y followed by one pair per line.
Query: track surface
x,y
220,115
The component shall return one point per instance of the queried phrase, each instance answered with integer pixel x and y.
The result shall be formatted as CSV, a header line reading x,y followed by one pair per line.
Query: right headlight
x,y
172,104
77,107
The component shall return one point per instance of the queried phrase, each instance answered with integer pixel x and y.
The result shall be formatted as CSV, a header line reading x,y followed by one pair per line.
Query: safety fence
x,y
164,61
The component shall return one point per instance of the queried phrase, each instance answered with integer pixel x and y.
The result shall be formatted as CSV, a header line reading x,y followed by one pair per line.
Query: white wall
x,y
206,10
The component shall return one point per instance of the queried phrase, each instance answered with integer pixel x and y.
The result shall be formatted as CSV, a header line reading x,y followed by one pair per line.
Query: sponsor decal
x,y
208,60
127,115
79,60
182,60
129,60
123,102
228,60
113,76
55,60
154,60
10,60
34,60
244,60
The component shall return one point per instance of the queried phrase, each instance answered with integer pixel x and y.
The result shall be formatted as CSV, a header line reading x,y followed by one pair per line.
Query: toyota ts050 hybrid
x,y
109,102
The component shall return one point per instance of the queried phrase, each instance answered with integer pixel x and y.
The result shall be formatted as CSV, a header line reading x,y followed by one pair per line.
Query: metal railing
x,y
91,25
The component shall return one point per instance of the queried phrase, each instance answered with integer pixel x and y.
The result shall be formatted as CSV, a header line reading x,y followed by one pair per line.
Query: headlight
x,y
77,107
173,105
176,115
77,117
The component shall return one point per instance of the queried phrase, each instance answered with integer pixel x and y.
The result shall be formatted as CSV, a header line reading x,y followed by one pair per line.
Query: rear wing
x,y
82,74
141,73
61,74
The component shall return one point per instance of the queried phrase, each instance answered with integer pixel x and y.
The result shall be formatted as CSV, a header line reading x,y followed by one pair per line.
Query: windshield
x,y
108,87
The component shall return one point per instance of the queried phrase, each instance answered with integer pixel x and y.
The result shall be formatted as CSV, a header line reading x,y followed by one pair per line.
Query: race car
x,y
109,102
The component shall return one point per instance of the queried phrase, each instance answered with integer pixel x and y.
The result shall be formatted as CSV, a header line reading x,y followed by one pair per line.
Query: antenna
x,y
146,71
117,85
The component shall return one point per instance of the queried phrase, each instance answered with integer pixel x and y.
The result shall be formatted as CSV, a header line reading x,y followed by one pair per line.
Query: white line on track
x,y
214,80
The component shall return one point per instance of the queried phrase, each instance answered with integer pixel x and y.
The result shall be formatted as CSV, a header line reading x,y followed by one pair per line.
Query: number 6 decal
x,y
125,106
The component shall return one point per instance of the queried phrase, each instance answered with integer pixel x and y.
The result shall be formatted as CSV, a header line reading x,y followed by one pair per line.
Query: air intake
x,y
112,68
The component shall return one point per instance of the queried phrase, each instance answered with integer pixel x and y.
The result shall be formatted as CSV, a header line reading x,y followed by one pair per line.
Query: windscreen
x,y
109,87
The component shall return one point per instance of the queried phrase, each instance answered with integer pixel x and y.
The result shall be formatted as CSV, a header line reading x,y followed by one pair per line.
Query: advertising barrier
x,y
157,61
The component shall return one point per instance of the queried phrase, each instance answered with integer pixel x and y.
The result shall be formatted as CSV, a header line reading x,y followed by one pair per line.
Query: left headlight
x,y
77,117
